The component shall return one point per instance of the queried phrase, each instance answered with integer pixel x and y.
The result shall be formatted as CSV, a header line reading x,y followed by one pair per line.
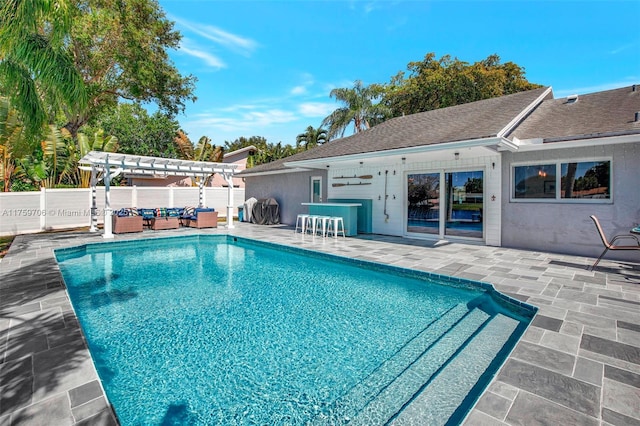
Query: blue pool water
x,y
218,330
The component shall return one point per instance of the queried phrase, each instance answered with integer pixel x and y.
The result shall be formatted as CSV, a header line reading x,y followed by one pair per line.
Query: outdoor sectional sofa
x,y
135,220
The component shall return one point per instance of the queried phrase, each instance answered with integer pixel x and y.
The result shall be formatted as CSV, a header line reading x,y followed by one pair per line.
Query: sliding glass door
x,y
423,193
464,204
455,211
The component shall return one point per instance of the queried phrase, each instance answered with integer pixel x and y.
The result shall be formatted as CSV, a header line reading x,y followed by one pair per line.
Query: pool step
x,y
410,382
438,402
346,407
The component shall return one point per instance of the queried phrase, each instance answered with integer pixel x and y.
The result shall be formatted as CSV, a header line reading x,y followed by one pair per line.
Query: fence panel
x,y
28,212
20,212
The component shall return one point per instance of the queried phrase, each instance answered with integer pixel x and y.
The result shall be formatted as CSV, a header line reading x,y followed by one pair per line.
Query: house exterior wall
x,y
288,189
565,227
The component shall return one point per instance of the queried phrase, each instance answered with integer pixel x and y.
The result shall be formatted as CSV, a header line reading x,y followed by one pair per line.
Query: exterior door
x,y
316,189
464,203
456,210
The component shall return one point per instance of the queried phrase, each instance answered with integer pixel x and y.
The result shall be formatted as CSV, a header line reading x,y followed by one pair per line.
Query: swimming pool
x,y
223,330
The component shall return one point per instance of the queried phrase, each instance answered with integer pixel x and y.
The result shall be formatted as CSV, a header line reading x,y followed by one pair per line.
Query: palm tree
x,y
358,108
36,69
11,138
311,137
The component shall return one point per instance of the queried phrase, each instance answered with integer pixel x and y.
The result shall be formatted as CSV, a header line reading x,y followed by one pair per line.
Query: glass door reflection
x,y
464,202
423,212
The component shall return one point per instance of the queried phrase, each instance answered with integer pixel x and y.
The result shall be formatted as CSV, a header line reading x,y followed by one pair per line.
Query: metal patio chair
x,y
612,244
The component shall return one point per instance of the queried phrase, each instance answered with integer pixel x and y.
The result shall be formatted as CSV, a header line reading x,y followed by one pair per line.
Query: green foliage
x,y
311,138
446,82
121,48
138,132
265,152
36,65
360,106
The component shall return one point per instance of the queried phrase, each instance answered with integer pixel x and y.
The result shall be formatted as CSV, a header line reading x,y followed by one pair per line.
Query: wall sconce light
x,y
493,165
404,160
457,155
361,163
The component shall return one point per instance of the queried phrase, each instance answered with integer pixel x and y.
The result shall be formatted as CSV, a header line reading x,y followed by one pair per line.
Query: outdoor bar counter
x,y
348,212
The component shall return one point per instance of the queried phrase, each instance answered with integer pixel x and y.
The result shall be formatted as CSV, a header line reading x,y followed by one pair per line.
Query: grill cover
x,y
266,212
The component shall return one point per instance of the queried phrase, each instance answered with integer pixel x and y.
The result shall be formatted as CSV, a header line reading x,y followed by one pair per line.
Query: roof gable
x,y
598,114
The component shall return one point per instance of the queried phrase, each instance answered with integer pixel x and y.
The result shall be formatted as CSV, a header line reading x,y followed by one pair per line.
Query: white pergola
x,y
107,165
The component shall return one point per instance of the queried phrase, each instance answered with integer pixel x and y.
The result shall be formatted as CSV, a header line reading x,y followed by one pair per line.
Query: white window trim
x,y
558,198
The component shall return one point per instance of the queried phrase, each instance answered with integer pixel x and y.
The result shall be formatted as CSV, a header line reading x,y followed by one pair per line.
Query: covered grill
x,y
266,211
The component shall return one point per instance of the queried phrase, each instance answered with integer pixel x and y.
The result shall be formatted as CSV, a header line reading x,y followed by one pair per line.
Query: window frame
x,y
558,166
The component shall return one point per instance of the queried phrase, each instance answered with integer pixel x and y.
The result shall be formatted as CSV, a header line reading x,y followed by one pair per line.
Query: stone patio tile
x,y
588,371
533,335
545,357
613,313
628,326
51,411
610,348
494,405
547,323
85,393
590,319
563,390
89,409
478,418
553,312
617,419
605,333
62,369
503,389
561,342
621,398
628,337
577,296
531,410
571,329
622,376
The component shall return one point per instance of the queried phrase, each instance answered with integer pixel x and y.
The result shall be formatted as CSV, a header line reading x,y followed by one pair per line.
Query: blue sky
x,y
266,68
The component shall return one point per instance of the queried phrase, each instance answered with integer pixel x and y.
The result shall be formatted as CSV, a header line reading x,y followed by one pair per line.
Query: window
x,y
562,181
587,179
537,181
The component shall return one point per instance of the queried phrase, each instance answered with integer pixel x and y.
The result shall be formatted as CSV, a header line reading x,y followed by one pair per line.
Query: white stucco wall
x,y
565,227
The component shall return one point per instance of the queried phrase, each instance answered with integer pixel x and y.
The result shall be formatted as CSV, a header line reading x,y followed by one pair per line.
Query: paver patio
x,y
578,363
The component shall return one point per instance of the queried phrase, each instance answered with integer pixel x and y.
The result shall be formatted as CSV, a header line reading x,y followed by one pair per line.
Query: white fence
x,y
28,212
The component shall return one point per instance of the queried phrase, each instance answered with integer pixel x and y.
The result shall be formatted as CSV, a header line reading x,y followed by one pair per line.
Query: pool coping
x,y
586,335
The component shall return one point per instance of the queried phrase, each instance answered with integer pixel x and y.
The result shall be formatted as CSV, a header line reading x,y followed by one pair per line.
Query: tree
x,y
446,82
121,49
139,133
359,108
37,70
11,140
310,138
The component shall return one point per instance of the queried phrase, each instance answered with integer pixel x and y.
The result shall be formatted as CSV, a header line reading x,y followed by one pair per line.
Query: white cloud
x,y
219,36
208,58
299,90
316,109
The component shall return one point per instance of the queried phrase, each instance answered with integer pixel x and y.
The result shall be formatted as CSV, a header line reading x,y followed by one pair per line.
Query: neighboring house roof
x,y
608,113
488,118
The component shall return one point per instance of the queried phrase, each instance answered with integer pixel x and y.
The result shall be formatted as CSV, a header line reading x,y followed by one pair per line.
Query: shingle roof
x,y
474,120
592,115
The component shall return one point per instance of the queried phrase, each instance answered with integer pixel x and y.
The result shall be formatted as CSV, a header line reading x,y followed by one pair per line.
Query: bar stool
x,y
312,223
335,223
301,222
323,224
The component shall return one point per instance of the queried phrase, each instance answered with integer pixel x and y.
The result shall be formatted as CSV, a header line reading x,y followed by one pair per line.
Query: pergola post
x,y
201,195
93,202
108,223
229,178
